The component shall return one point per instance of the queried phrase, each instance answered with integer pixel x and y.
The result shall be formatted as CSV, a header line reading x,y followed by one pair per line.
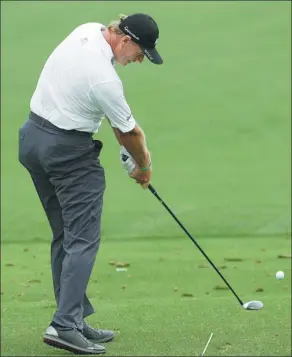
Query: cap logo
x,y
148,55
131,33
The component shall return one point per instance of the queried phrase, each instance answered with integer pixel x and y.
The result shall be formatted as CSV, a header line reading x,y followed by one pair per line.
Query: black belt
x,y
44,122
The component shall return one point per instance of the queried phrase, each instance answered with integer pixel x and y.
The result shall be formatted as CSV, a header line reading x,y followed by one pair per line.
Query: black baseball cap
x,y
144,31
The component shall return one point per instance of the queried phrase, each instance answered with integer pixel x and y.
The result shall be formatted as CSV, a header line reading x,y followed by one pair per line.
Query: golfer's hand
x,y
142,177
127,161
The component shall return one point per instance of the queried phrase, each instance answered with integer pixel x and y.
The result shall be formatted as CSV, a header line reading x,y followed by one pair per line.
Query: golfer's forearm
x,y
135,143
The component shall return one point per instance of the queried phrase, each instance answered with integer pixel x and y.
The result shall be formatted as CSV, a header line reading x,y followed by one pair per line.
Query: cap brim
x,y
153,55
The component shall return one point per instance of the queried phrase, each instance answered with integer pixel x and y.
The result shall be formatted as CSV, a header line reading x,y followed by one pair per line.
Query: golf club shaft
x,y
152,189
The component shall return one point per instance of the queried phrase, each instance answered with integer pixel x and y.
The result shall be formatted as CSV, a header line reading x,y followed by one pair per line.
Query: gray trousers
x,y
70,183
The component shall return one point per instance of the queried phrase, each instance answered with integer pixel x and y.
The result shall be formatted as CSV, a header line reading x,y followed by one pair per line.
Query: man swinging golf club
x,y
77,88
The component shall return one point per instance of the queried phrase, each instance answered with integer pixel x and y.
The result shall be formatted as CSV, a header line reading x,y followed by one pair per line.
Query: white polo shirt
x,y
79,85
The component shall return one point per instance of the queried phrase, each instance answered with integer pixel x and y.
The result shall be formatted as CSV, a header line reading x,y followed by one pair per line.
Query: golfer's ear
x,y
126,39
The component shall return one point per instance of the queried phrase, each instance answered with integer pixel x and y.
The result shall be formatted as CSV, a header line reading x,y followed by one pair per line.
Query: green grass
x,y
217,120
145,304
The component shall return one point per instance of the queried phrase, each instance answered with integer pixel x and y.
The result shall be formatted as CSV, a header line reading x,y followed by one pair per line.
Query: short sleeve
x,y
109,96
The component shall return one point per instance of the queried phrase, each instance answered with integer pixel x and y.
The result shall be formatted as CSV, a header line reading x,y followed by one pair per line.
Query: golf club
x,y
251,305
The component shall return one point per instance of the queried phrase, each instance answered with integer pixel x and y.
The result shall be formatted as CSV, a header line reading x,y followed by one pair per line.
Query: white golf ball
x,y
280,275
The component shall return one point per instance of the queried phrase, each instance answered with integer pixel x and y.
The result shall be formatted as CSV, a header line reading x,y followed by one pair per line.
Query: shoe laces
x,y
90,327
83,337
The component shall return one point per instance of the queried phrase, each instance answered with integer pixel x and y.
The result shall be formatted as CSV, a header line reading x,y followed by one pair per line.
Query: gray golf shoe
x,y
97,335
71,340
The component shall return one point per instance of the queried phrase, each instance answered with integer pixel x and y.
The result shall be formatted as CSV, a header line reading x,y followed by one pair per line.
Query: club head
x,y
253,305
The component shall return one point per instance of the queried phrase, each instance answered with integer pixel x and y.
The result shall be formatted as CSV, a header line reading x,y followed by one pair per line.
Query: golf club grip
x,y
152,189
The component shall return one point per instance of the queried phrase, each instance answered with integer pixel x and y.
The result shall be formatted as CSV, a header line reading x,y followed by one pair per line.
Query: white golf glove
x,y
127,161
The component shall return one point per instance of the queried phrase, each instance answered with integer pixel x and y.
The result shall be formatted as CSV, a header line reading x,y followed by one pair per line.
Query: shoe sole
x,y
64,345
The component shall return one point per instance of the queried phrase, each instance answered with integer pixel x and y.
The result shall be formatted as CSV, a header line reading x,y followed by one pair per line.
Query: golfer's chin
x,y
123,62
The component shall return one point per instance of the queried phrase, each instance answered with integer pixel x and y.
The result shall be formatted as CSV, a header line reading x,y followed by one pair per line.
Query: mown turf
x,y
145,304
217,120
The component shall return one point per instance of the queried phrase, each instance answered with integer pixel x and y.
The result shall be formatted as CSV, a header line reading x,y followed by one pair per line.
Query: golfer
x,y
78,88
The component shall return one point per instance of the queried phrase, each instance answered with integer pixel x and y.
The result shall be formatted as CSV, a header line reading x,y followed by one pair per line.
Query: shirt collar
x,y
107,48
